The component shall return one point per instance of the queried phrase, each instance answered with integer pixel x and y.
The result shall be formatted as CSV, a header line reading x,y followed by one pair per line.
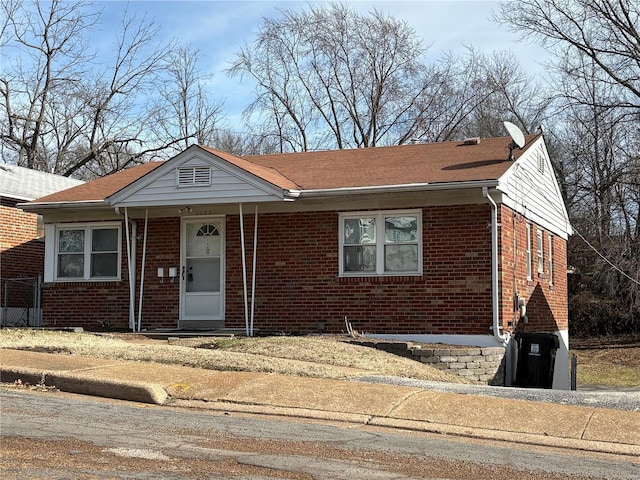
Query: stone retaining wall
x,y
480,364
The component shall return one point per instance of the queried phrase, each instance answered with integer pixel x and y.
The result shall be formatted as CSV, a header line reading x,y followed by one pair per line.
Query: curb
x,y
222,406
156,394
86,385
502,435
428,427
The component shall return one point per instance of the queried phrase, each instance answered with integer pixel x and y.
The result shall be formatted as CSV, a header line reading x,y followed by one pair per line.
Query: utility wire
x,y
606,259
523,175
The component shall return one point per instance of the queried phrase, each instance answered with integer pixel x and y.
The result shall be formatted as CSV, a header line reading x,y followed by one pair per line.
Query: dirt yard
x,y
307,356
614,362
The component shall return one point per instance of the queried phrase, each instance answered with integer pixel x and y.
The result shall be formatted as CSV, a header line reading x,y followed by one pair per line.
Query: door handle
x,y
183,270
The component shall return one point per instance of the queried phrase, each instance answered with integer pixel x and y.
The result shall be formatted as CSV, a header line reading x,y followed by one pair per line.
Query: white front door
x,y
202,269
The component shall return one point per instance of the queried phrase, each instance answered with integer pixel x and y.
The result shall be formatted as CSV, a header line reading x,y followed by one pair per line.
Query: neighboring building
x,y
436,242
21,240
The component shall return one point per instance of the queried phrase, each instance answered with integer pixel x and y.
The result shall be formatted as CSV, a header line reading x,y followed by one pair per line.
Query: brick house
x,y
442,242
22,238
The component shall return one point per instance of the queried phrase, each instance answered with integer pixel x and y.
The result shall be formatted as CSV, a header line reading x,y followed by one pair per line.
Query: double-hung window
x,y
528,252
87,252
381,243
550,255
540,253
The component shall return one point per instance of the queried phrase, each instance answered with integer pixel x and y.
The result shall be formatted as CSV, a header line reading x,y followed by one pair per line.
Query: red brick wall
x,y
91,305
95,305
161,302
298,288
21,254
546,303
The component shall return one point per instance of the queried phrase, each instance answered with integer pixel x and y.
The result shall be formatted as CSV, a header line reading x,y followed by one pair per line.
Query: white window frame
x,y
380,242
40,234
540,245
52,252
550,258
528,253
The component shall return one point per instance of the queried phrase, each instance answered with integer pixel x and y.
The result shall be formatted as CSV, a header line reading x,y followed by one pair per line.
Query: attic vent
x,y
540,163
472,141
194,176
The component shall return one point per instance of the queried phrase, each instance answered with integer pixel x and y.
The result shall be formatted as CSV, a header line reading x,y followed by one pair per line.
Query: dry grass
x,y
323,357
609,365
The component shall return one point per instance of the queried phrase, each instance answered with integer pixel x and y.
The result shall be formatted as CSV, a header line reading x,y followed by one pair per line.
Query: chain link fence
x,y
21,302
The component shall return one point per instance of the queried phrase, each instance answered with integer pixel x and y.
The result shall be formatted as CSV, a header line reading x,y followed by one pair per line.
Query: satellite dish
x,y
516,135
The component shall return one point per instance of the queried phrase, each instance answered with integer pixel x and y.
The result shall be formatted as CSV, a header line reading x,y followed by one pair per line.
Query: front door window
x,y
202,269
203,258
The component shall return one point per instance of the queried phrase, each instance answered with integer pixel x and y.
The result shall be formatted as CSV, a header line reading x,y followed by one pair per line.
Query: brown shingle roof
x,y
267,173
444,162
101,188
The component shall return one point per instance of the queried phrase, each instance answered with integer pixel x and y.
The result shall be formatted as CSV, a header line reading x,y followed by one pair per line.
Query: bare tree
x,y
513,96
606,32
186,111
446,99
596,53
118,104
51,63
599,154
64,112
245,143
331,77
328,77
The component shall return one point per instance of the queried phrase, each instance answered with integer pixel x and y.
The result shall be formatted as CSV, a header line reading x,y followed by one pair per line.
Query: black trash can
x,y
536,359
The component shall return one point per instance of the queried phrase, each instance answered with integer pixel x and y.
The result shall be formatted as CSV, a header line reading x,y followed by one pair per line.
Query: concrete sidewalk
x,y
406,407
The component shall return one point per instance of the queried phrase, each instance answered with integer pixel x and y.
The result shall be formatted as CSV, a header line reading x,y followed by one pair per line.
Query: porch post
x,y
253,274
132,287
144,258
244,272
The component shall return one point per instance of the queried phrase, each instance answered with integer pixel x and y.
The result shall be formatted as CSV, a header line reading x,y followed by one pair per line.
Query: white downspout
x,y
253,275
503,338
144,259
244,272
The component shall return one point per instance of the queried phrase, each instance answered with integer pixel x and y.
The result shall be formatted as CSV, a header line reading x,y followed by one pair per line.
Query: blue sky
x,y
220,28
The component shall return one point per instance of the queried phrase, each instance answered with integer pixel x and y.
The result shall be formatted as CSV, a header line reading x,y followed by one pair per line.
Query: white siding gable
x,y
196,177
530,187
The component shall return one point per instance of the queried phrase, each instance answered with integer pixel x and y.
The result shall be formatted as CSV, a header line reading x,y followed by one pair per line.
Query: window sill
x,y
87,280
407,278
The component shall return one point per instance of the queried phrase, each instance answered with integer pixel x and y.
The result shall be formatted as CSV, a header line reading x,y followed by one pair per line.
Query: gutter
x,y
409,187
36,207
503,338
16,197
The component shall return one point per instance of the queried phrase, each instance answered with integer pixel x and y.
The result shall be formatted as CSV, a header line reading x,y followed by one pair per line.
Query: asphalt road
x,y
56,436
